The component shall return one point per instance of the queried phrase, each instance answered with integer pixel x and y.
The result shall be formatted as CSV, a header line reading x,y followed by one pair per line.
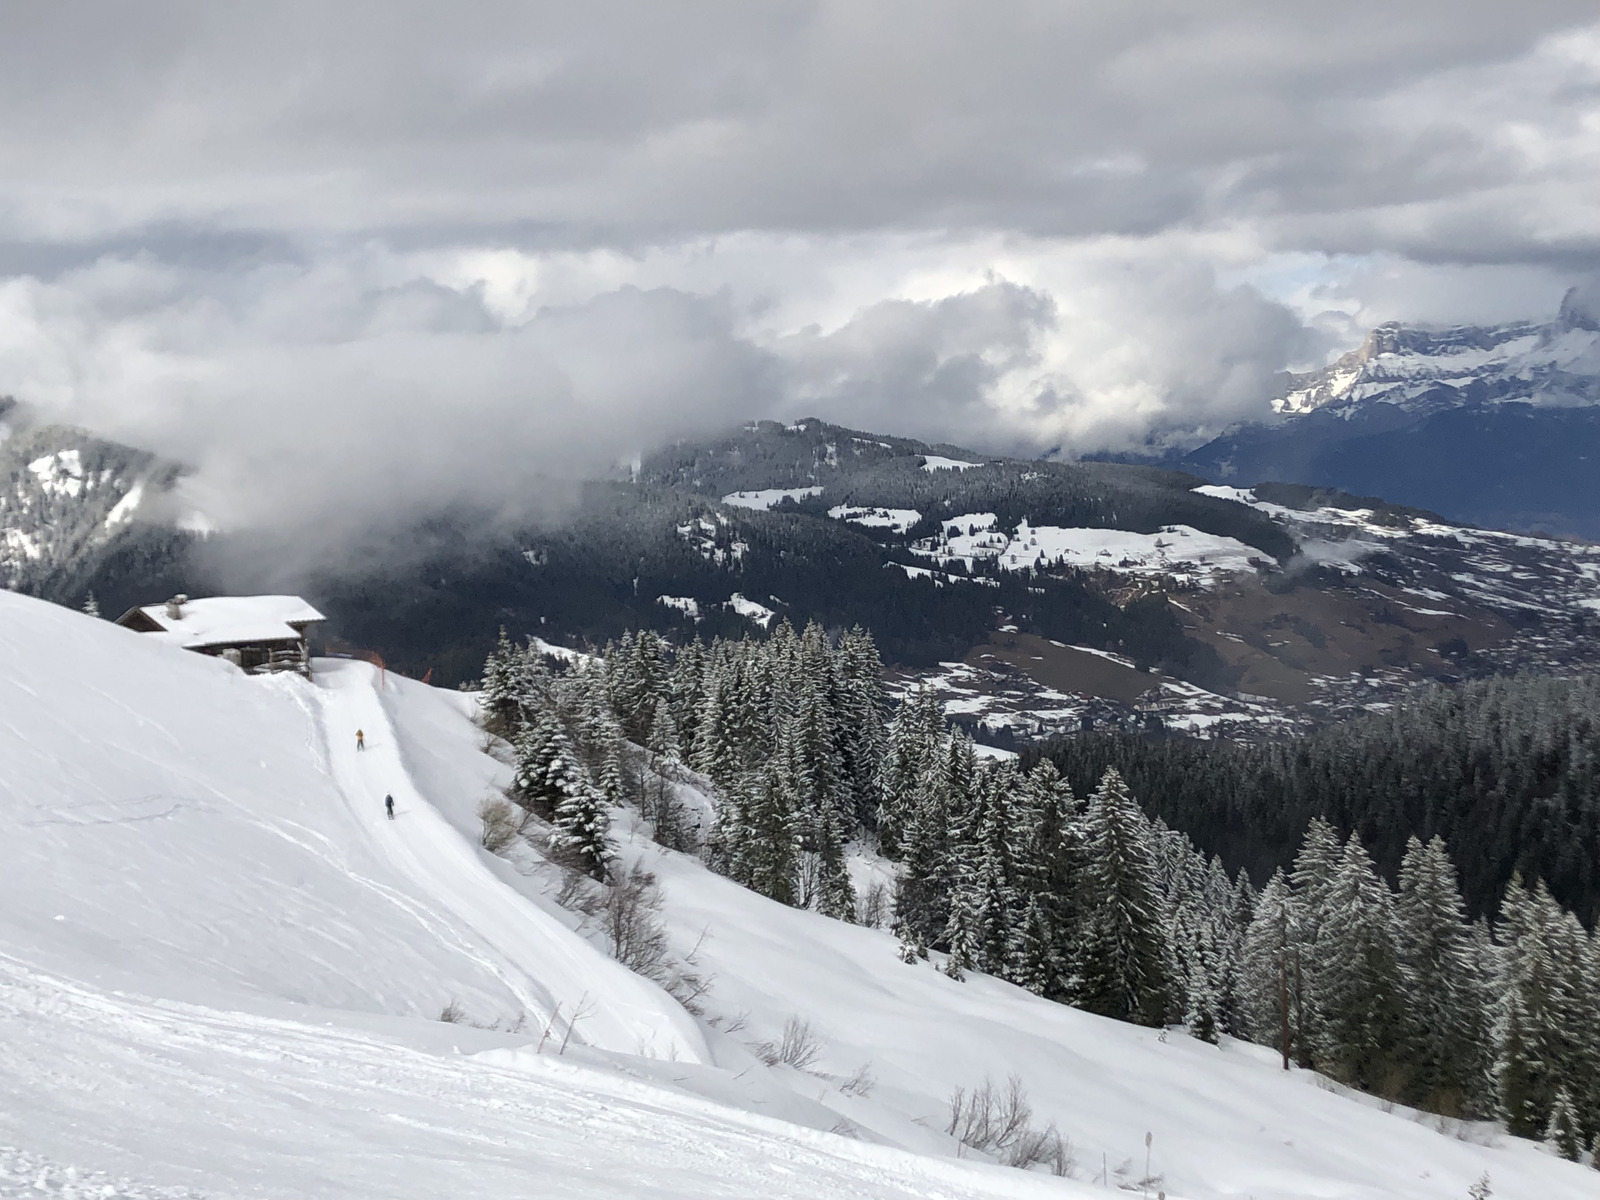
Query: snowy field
x,y
897,519
766,498
222,968
1176,550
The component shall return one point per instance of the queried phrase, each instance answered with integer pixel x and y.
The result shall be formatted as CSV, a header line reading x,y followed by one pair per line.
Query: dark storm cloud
x,y
477,245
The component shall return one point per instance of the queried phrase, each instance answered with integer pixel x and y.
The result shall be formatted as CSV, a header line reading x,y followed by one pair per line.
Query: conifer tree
x,y
764,856
996,906
539,746
923,885
1228,908
1047,852
582,825
715,755
1362,1028
1270,970
961,934
609,743
499,684
1033,960
808,722
836,895
663,739
532,686
1312,876
1201,1013
646,686
1447,999
1535,1041
688,696
1562,1133
1520,1074
1122,948
913,739
859,724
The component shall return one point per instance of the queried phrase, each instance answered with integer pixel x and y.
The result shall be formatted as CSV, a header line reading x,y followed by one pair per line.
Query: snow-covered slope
x,y
170,825
220,967
1226,1122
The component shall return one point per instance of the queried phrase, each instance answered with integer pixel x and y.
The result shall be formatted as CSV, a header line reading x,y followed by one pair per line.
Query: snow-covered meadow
x,y
1176,550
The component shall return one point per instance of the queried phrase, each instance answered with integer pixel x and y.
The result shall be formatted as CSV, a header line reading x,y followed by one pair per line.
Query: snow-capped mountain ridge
x,y
1549,363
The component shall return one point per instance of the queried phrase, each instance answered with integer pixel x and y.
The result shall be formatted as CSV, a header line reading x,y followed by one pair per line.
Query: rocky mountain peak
x,y
1549,363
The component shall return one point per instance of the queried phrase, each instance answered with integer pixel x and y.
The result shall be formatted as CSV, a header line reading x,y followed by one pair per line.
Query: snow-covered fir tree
x,y
1363,1023
582,826
1122,947
1447,998
1271,985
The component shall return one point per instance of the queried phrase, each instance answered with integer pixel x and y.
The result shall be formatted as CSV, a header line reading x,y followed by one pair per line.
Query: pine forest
x,y
1306,895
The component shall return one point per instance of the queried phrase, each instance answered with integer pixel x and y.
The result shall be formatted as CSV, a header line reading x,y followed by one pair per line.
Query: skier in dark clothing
x,y
388,804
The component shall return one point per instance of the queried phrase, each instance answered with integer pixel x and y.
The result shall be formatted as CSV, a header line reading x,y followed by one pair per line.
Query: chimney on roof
x,y
175,607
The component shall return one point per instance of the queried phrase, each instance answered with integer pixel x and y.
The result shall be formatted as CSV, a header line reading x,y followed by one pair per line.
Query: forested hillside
x,y
1505,770
1067,886
75,517
607,565
857,469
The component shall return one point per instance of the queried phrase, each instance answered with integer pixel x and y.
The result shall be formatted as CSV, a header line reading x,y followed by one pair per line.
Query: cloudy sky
x,y
358,257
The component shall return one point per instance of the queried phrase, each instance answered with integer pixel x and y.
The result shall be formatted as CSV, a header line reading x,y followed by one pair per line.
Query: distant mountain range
x,y
1498,426
1036,597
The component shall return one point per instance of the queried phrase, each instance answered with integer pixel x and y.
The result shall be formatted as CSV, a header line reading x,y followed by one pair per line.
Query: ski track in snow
x,y
621,1012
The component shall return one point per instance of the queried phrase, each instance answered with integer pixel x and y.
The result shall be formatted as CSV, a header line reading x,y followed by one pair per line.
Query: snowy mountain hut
x,y
257,633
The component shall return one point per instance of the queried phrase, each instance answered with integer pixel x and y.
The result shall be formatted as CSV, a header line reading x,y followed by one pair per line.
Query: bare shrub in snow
x,y
635,934
798,1046
861,1083
453,1013
872,906
1000,1123
500,823
498,748
580,894
628,908
670,825
686,982
730,1024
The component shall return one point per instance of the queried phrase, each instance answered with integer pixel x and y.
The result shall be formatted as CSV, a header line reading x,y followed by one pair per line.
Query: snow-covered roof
x,y
232,620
